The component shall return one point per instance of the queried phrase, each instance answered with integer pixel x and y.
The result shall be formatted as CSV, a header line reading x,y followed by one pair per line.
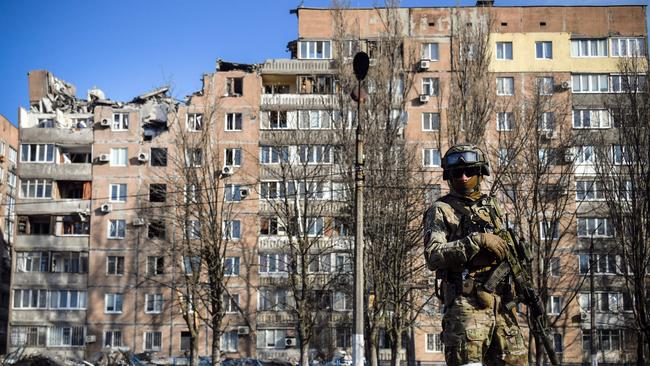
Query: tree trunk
x,y
374,350
640,349
394,351
304,353
216,349
539,354
194,348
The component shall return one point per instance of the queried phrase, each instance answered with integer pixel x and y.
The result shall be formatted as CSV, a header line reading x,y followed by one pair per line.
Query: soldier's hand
x,y
493,243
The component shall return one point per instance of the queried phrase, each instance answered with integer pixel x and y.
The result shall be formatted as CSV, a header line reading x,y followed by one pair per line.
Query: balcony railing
x,y
293,66
76,136
281,242
47,242
298,101
52,207
80,171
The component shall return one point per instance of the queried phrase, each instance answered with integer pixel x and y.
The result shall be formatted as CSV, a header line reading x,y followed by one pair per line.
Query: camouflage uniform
x,y
477,327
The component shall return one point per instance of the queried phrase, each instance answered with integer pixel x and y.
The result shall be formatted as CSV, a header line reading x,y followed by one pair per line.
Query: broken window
x,y
74,189
120,122
34,225
234,86
158,156
277,89
193,157
75,225
233,157
157,192
156,230
74,155
278,119
316,84
46,123
194,122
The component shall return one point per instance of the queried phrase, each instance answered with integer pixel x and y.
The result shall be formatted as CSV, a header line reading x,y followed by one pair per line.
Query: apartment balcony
x,y
298,101
40,316
607,319
294,66
269,243
67,136
77,171
51,207
73,243
56,279
275,318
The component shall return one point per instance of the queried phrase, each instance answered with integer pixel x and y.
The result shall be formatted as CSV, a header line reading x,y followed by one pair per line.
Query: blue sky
x,y
127,47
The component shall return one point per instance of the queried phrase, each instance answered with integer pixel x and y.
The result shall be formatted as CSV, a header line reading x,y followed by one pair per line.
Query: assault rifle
x,y
517,263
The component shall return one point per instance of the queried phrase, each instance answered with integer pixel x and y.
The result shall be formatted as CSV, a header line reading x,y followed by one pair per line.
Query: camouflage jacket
x,y
448,234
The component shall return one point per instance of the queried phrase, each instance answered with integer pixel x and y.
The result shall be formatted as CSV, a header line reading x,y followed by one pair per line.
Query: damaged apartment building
x,y
89,269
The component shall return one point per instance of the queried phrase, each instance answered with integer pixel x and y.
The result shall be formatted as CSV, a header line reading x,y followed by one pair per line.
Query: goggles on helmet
x,y
456,158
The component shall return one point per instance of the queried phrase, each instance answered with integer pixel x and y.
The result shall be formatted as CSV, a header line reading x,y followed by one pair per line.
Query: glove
x,y
492,243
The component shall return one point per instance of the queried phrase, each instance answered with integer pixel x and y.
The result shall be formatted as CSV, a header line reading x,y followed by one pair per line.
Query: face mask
x,y
466,188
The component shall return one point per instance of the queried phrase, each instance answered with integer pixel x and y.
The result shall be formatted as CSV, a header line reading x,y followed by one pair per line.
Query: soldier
x,y
478,326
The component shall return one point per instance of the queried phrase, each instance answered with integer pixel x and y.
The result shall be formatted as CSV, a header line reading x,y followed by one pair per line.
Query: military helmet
x,y
464,156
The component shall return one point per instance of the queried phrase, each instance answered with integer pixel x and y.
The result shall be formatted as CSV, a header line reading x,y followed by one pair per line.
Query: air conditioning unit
x,y
90,339
243,192
143,157
105,122
565,85
373,62
568,156
548,135
243,330
227,171
584,316
424,98
290,342
106,208
104,157
138,221
424,64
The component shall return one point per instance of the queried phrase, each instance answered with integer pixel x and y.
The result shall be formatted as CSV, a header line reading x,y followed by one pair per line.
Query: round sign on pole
x,y
360,65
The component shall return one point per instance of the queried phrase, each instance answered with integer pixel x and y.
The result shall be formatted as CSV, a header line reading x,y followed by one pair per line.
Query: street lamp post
x,y
360,65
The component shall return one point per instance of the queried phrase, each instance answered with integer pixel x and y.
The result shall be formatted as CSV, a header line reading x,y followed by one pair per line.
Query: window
x,y
153,303
66,336
118,156
350,48
505,121
315,226
275,120
544,50
272,263
545,85
598,226
191,265
30,299
229,341
11,179
13,154
628,47
430,51
231,303
193,229
504,50
37,153
430,121
314,49
271,338
156,229
557,343
627,83
120,122
152,341
585,155
505,86
274,154
622,155
589,48
603,263
233,157
2,147
194,122
315,154
430,157
158,156
234,86
28,336
116,229
320,263
32,261
68,300
115,265
434,342
232,193
233,121
554,305
112,303
69,262
190,194
232,229
271,190
118,192
193,157
155,265
589,190
549,230
314,120
609,302
271,226
34,188
342,261
272,299
546,122
342,301
430,86
610,339
554,266
231,266
343,337
590,83
157,192
591,118
112,338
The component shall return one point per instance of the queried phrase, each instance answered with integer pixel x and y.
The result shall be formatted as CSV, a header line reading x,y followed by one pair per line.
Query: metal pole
x,y
358,346
592,304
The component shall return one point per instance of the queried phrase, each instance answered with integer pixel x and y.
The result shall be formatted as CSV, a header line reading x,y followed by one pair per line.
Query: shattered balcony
x,y
294,66
77,136
298,101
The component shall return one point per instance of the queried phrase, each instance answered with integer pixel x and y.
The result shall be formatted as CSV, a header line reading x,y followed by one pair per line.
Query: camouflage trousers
x,y
473,333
